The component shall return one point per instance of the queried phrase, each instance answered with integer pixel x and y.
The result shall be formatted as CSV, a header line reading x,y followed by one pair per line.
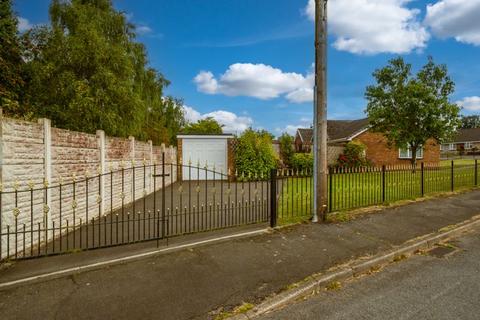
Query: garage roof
x,y
205,136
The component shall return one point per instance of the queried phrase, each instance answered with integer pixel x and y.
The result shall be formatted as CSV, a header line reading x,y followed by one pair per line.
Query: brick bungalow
x,y
340,132
466,141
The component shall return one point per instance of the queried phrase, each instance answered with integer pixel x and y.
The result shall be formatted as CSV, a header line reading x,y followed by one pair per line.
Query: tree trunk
x,y
414,158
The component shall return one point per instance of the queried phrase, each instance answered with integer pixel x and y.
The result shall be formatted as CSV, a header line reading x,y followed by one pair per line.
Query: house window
x,y
448,147
407,153
468,145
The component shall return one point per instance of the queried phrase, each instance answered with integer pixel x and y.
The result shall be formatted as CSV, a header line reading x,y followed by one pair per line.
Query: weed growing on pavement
x,y
399,258
244,307
335,285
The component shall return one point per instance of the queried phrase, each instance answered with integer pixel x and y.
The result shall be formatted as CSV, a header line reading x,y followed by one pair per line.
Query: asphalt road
x,y
199,283
422,287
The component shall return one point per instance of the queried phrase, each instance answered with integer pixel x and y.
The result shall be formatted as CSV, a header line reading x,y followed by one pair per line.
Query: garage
x,y
213,151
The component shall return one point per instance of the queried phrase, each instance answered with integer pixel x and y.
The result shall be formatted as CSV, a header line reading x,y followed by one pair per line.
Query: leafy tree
x,y
470,122
266,133
409,109
203,126
254,154
303,161
87,72
11,75
286,148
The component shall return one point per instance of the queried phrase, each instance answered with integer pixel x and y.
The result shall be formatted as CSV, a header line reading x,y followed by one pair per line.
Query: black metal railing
x,y
351,188
124,206
152,202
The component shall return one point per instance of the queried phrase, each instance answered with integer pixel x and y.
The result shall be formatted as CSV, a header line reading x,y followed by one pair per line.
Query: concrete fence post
x,y
47,166
102,168
1,150
132,148
2,245
132,176
163,149
150,178
150,171
173,164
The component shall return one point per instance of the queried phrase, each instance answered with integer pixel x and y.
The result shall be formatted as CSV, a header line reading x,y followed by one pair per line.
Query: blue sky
x,y
249,62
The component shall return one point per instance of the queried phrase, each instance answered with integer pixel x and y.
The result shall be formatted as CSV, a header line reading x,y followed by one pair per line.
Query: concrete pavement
x,y
201,282
441,284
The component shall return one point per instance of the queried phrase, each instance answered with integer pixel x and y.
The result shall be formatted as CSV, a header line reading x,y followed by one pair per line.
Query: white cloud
x,y
191,115
373,26
24,24
470,103
258,81
232,123
455,18
206,82
291,129
300,95
143,29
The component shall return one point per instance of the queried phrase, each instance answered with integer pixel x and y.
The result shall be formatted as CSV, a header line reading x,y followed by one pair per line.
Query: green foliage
x,y
254,154
11,75
286,149
203,126
303,161
409,109
86,72
353,155
471,122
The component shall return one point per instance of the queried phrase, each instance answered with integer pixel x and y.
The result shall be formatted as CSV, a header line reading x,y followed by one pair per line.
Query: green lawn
x,y
457,162
362,189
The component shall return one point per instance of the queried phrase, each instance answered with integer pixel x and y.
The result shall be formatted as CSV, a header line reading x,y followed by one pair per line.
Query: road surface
x,y
422,287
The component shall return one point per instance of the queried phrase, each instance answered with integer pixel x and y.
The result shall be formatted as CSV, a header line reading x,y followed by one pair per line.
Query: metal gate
x,y
127,205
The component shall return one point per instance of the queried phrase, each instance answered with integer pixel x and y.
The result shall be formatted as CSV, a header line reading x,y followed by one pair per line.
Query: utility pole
x,y
320,112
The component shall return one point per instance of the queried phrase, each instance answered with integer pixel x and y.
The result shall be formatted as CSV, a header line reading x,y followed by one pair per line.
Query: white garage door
x,y
210,152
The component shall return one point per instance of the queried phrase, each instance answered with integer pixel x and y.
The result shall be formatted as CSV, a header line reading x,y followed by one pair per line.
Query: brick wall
x,y
380,154
32,153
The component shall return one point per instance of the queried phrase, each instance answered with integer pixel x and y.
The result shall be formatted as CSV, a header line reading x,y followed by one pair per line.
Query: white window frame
x,y
452,147
409,153
468,145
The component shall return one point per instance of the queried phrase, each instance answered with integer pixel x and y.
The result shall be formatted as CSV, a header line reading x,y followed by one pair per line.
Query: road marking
x,y
96,265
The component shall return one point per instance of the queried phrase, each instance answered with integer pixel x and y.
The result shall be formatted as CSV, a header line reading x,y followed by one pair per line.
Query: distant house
x,y
276,146
304,140
466,141
340,132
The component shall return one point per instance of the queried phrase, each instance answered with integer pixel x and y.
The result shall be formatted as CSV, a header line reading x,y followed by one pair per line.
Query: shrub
x,y
286,149
254,154
302,161
353,155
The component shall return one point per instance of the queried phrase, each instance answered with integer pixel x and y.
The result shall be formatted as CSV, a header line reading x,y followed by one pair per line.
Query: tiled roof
x,y
306,134
337,129
467,135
